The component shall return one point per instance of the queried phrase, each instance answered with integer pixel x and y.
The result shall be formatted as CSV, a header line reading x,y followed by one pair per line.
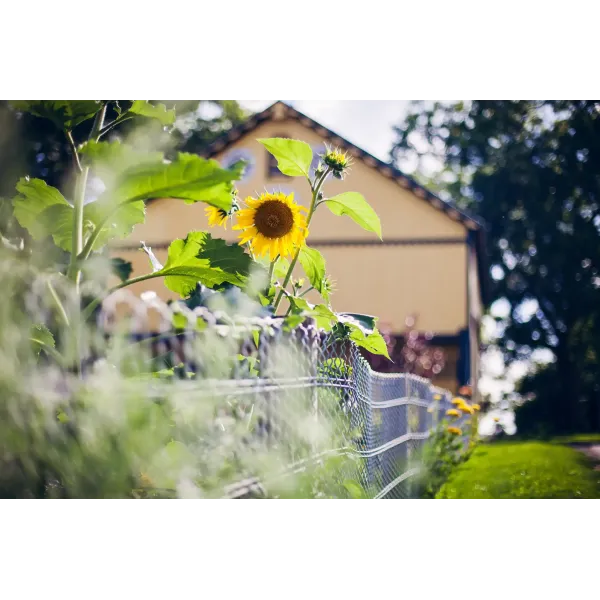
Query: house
x,y
429,264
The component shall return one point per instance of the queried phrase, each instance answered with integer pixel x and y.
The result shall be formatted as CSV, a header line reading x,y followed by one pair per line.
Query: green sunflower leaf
x,y
373,342
357,208
153,111
293,156
109,160
313,263
189,177
35,197
184,269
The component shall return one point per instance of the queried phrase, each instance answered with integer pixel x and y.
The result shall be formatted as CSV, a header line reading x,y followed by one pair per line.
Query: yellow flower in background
x,y
452,412
216,216
457,401
430,409
496,419
437,397
454,430
466,408
272,224
476,407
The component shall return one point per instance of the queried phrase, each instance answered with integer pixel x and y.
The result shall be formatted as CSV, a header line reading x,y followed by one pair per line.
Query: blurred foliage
x,y
442,453
34,146
529,169
199,126
413,352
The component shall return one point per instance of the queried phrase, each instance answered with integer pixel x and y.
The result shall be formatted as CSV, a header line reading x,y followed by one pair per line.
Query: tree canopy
x,y
530,170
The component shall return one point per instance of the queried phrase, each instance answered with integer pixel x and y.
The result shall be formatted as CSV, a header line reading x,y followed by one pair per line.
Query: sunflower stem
x,y
311,210
310,289
272,268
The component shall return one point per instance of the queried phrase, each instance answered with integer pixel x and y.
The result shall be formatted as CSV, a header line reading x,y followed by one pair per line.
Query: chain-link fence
x,y
298,396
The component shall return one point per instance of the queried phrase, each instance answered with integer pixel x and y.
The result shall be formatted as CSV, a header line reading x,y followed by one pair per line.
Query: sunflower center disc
x,y
274,219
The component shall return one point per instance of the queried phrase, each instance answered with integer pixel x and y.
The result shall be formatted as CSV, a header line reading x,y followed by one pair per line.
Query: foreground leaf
x,y
121,268
41,337
184,270
109,160
117,222
373,342
313,263
154,111
188,177
230,257
293,156
66,114
324,317
367,322
357,208
35,197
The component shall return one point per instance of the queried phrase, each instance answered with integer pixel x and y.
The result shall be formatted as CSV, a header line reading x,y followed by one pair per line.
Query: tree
x,y
205,122
529,169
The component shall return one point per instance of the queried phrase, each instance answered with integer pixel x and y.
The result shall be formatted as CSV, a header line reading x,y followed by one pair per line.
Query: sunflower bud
x,y
339,162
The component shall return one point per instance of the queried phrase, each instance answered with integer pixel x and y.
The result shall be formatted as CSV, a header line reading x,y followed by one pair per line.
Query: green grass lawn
x,y
524,470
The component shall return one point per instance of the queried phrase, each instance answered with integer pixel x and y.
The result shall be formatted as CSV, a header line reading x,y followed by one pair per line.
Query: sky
x,y
368,124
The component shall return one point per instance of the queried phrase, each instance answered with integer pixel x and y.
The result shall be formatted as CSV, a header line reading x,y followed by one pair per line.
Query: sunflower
x,y
452,413
454,430
272,223
216,216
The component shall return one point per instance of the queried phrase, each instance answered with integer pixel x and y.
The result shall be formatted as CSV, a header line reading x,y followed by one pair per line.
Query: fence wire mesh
x,y
293,399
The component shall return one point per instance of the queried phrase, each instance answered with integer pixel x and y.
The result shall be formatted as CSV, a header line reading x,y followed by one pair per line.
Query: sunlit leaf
x,y
313,263
357,208
293,156
188,177
114,223
35,197
109,160
373,342
154,111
